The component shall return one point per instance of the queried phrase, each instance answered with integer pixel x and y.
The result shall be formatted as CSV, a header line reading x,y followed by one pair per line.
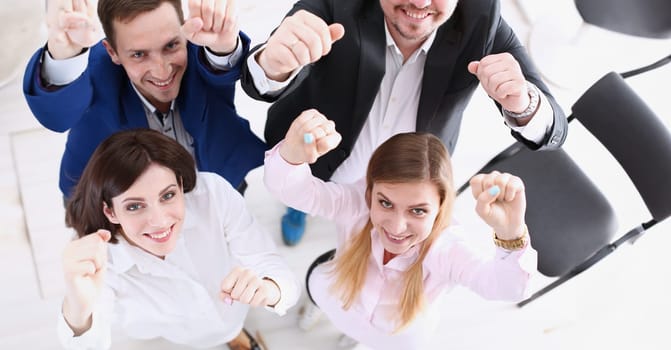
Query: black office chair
x,y
644,18
570,221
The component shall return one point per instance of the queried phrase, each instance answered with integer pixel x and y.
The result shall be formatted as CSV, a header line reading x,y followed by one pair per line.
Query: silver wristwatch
x,y
534,100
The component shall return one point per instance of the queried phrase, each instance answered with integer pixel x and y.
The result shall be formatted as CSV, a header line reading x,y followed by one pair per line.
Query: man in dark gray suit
x,y
380,67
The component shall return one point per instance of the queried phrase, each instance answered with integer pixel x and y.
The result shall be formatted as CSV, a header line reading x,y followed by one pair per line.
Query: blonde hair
x,y
407,157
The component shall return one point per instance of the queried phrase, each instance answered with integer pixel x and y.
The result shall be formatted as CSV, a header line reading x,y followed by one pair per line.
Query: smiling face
x,y
403,213
411,22
151,211
152,50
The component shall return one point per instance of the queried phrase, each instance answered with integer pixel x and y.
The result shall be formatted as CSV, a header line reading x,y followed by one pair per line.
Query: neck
x,y
163,107
387,257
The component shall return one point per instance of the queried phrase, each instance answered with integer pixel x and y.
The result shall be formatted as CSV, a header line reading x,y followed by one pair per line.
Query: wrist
x,y
274,294
225,50
78,319
274,76
62,51
512,240
532,106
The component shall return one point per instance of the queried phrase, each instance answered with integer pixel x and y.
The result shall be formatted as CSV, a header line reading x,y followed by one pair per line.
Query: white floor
x,y
621,303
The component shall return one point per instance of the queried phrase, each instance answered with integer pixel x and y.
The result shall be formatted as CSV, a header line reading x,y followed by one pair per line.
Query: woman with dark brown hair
x,y
164,251
397,251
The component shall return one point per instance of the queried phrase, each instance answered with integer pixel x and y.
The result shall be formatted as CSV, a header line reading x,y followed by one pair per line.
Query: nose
x,y
161,67
396,224
158,218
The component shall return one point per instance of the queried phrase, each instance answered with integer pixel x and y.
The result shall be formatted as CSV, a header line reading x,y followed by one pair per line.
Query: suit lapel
x,y
439,66
192,99
371,60
133,115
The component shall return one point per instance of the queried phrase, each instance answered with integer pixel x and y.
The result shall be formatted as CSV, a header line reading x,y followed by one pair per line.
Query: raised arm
x,y
84,269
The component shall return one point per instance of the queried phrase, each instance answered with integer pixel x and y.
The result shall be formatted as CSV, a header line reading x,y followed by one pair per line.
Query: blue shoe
x,y
293,226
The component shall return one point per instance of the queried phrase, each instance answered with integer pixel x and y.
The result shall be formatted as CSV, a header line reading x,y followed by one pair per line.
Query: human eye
x,y
137,54
168,196
418,211
385,203
133,207
172,45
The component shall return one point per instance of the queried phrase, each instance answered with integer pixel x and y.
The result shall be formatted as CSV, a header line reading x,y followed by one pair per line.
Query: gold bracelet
x,y
513,244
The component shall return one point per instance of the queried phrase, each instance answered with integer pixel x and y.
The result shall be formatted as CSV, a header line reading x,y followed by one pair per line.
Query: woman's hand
x,y
245,286
501,203
84,267
309,137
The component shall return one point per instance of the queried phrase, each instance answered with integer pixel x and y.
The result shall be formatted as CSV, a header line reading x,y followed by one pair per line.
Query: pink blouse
x,y
373,318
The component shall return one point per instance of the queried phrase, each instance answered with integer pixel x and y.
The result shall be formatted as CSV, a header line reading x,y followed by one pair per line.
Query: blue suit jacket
x,y
102,101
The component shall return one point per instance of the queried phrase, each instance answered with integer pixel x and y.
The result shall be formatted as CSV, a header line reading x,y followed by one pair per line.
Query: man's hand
x,y
72,25
213,24
300,39
501,77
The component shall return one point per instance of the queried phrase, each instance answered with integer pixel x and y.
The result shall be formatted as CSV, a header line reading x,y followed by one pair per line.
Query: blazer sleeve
x,y
505,40
56,108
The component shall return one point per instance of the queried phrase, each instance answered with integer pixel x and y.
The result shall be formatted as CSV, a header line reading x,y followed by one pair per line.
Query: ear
x,y
109,213
111,52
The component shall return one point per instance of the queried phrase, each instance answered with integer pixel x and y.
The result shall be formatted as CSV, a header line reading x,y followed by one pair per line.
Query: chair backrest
x,y
634,135
645,18
568,217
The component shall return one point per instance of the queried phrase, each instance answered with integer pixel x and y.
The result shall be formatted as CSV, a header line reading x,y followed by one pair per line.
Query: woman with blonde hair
x,y
397,252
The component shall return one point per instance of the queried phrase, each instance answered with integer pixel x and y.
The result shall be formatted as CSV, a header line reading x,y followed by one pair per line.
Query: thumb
x,y
191,27
337,31
105,235
473,67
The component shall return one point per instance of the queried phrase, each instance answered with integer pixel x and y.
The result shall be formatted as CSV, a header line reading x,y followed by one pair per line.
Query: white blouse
x,y
178,298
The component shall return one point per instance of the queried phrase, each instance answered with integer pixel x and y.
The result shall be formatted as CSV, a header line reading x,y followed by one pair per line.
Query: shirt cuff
x,y
225,62
538,126
63,72
526,257
97,337
289,293
263,84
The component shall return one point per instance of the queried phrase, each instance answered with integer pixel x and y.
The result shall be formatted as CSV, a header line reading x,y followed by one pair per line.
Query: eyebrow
x,y
418,205
173,39
140,199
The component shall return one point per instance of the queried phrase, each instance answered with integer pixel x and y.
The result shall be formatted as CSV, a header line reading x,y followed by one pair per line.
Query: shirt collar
x,y
150,107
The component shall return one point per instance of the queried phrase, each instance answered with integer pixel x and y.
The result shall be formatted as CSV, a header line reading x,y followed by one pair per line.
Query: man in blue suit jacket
x,y
138,77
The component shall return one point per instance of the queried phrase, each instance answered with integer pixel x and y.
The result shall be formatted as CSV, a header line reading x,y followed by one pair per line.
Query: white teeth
x,y
161,83
160,235
417,15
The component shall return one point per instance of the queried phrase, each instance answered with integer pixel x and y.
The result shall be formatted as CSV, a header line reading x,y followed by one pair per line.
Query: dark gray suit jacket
x,y
342,85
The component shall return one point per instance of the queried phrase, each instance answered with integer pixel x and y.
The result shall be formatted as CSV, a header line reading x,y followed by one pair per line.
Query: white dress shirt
x,y
395,107
178,298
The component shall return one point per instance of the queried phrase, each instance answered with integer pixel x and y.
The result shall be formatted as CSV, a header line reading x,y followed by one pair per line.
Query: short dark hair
x,y
127,10
113,168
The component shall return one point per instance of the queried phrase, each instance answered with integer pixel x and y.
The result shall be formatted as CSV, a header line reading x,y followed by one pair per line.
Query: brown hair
x,y
407,157
126,10
113,168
